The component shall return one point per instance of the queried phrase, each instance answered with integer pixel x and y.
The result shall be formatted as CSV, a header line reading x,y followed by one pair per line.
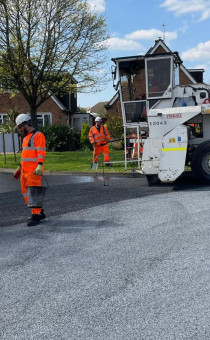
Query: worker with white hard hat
x,y
32,162
98,119
99,136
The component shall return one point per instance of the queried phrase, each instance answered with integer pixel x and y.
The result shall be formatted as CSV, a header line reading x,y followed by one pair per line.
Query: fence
x,y
9,143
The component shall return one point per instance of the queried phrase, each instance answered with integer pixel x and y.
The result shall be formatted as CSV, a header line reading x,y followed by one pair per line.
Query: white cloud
x,y
115,43
200,52
205,14
204,66
151,34
129,41
184,28
97,5
180,7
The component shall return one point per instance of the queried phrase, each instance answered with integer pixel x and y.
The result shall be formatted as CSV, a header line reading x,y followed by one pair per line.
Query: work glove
x,y
38,170
17,172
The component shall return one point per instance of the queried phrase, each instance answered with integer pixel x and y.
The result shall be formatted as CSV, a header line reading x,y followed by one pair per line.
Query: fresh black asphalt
x,y
69,193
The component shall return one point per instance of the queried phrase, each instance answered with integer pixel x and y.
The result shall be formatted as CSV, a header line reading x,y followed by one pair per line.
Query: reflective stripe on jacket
x,y
33,151
99,137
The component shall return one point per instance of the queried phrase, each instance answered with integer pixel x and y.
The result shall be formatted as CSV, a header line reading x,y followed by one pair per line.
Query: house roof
x,y
58,102
196,70
161,43
112,101
157,44
98,108
93,114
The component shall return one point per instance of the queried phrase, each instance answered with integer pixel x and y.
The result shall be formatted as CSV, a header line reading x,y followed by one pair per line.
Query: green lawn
x,y
73,161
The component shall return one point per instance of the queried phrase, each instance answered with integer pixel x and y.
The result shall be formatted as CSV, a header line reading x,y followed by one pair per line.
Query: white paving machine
x,y
172,120
176,140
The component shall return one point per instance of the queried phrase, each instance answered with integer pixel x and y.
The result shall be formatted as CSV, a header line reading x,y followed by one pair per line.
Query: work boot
x,y
33,220
42,215
109,164
36,217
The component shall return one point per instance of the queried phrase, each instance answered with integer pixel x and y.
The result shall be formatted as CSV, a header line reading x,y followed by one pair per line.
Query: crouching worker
x,y
32,162
98,136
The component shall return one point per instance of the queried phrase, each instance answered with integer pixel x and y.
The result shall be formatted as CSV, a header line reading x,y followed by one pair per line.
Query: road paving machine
x,y
168,106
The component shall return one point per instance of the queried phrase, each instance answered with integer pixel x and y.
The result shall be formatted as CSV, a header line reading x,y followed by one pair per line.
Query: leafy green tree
x,y
46,44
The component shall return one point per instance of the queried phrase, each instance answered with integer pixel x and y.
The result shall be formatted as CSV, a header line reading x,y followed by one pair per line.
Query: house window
x,y
3,118
77,124
44,119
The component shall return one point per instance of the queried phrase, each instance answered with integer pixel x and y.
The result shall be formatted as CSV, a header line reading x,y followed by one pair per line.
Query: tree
x,y
46,44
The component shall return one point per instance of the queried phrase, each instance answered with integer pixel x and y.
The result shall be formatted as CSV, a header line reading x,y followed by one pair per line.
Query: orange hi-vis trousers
x,y
98,149
29,179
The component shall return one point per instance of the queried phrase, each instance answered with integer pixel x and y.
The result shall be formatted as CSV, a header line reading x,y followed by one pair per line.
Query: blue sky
x,y
134,25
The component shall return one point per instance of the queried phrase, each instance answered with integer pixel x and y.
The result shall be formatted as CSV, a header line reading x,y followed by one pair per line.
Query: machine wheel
x,y
200,162
153,179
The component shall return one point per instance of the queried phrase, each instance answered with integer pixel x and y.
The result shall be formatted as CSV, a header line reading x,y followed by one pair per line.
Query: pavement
x,y
115,259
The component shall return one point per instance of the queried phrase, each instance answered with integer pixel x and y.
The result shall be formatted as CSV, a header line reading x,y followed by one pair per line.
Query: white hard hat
x,y
98,119
22,118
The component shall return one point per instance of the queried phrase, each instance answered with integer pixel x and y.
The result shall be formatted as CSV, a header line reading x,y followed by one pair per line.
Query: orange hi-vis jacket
x,y
33,151
100,137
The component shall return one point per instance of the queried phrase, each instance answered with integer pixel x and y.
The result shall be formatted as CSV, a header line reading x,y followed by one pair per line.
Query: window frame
x,y
167,93
43,114
2,115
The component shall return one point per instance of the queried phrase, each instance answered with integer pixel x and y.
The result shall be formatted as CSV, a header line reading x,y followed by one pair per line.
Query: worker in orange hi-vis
x,y
32,162
98,136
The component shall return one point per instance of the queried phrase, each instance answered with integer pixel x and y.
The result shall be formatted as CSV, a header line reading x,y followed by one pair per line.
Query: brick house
x,y
55,110
186,77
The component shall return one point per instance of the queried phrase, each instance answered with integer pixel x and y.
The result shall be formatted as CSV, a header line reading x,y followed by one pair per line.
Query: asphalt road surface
x,y
115,259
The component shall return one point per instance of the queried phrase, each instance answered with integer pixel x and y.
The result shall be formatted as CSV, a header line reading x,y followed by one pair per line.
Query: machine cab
x,y
159,77
142,82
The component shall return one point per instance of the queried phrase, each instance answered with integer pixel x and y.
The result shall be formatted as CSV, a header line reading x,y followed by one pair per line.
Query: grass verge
x,y
72,161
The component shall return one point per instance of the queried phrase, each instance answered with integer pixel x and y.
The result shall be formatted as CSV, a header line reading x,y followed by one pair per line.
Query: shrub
x,y
115,127
84,140
61,138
